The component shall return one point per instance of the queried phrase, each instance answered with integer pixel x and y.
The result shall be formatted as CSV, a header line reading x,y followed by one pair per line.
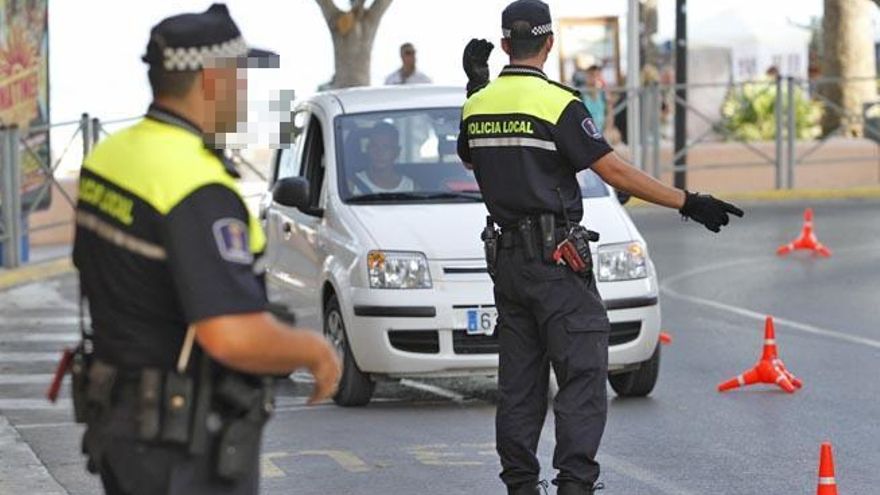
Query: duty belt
x,y
535,235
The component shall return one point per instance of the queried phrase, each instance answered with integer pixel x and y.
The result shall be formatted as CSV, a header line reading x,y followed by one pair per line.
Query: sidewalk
x,y
21,470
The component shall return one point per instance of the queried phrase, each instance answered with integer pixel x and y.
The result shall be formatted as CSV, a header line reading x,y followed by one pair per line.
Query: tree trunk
x,y
353,33
848,52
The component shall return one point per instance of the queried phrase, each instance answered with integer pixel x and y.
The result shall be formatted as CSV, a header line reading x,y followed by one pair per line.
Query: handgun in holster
x,y
250,405
100,383
490,246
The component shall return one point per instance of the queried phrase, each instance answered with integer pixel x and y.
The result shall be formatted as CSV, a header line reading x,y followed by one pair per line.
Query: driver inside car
x,y
380,176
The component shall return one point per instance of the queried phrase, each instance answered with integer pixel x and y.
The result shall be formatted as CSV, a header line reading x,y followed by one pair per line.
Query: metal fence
x,y
78,136
785,148
781,147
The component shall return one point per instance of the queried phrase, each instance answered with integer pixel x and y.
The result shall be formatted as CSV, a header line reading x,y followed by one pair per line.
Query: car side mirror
x,y
623,196
292,192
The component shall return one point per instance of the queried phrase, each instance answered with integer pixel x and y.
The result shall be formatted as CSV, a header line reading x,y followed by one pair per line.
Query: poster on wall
x,y
24,90
584,42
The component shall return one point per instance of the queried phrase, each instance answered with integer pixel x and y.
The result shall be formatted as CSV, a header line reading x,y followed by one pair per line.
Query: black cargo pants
x,y
549,315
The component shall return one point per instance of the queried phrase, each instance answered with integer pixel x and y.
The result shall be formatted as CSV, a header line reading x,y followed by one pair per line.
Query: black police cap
x,y
533,12
187,42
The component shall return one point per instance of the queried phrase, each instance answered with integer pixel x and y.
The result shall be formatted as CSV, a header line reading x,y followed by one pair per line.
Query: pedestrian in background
x,y
595,96
407,73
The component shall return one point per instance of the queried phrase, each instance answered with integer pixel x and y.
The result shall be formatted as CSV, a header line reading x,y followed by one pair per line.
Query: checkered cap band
x,y
195,58
536,31
542,29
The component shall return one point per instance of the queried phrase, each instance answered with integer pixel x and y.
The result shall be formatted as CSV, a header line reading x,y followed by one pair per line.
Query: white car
x,y
374,235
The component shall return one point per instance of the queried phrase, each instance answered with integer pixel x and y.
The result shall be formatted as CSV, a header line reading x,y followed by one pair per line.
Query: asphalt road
x,y
685,439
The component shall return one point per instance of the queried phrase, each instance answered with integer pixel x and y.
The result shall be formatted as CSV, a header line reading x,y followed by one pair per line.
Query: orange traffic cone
x,y
769,369
665,338
827,484
807,240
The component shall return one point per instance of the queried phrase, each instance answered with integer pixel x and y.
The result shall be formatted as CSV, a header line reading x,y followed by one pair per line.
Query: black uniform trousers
x,y
132,467
549,315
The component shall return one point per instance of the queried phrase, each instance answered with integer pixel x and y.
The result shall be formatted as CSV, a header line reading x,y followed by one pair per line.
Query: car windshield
x,y
410,156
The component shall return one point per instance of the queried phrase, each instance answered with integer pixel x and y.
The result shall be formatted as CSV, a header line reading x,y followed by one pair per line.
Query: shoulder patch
x,y
231,235
591,128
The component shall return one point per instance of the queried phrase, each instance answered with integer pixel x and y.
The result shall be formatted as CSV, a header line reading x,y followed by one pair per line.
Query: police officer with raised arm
x,y
174,378
525,137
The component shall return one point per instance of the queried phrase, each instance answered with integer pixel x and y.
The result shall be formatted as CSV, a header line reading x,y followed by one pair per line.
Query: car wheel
x,y
355,387
639,382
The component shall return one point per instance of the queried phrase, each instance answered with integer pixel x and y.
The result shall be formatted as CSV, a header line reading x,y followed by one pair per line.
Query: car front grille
x,y
462,343
428,341
624,332
418,341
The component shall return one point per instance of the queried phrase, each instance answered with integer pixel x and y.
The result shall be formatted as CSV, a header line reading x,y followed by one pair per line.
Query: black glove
x,y
711,212
475,61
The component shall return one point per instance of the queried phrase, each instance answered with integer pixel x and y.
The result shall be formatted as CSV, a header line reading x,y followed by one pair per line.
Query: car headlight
x,y
398,270
627,261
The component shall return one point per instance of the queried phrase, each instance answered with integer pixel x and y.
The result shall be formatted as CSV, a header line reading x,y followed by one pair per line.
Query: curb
x,y
784,195
34,273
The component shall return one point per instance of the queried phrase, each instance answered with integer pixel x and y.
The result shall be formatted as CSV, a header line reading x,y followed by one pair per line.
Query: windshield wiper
x,y
416,196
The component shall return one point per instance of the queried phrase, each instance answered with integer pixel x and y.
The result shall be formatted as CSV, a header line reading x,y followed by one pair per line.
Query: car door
x,y
295,265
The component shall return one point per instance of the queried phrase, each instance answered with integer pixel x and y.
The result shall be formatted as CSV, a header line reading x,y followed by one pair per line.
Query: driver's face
x,y
383,150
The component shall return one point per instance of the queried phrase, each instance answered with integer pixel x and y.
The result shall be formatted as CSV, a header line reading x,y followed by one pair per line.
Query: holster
x,y
526,228
100,383
548,236
251,407
490,246
79,381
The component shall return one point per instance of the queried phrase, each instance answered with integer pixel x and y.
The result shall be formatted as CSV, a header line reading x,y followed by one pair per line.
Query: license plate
x,y
481,321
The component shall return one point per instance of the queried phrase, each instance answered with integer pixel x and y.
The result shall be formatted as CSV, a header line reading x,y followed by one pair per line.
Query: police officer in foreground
x,y
174,378
526,137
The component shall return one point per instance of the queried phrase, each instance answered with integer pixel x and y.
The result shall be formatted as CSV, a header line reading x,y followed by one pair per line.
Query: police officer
x,y
526,137
170,387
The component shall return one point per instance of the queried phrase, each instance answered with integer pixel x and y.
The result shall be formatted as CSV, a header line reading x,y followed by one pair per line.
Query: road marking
x,y
301,376
36,426
269,469
432,389
35,404
748,313
641,474
348,460
436,455
29,357
38,321
38,337
28,379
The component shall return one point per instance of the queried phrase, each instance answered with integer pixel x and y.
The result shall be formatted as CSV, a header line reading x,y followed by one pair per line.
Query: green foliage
x,y
749,112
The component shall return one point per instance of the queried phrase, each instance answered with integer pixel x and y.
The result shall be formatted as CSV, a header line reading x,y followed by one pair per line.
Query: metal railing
x,y
85,133
782,151
14,147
